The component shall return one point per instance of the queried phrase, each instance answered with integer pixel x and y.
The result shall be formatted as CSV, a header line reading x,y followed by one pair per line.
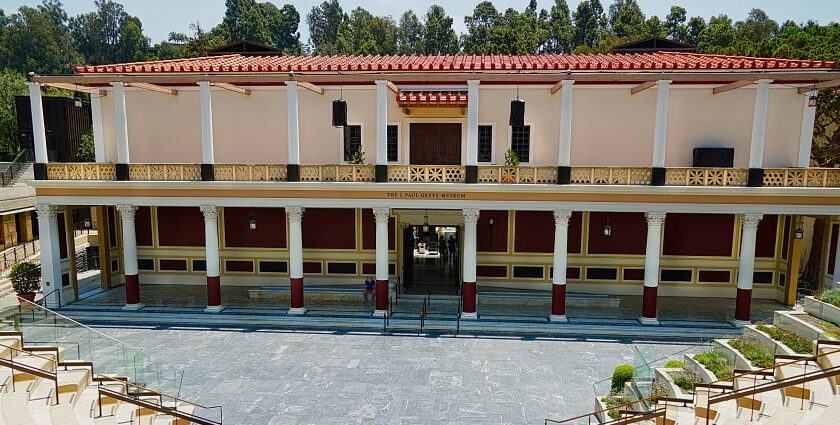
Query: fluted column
x,y
558,279
132,285
655,220
381,215
746,268
468,290
211,258
295,217
50,253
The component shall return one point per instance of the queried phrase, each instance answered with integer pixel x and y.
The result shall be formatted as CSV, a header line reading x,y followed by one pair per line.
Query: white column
x,y
206,123
381,216
39,132
746,268
472,122
120,123
50,252
663,88
806,133
295,217
292,118
653,250
129,247
566,98
759,123
469,281
98,135
211,258
558,279
836,272
381,122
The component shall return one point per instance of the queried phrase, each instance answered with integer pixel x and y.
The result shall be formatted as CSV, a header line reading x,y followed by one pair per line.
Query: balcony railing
x,y
637,176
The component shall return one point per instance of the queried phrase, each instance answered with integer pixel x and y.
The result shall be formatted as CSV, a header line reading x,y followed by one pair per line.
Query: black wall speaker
x,y
714,157
517,113
339,115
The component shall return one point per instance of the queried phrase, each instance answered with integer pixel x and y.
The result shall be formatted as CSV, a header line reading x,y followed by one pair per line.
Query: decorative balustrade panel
x,y
250,172
81,171
337,173
524,175
802,177
610,175
164,172
706,177
426,174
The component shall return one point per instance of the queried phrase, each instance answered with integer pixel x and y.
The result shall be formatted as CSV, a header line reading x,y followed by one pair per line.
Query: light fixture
x,y
252,223
607,228
77,102
812,101
426,222
492,221
798,233
87,223
517,111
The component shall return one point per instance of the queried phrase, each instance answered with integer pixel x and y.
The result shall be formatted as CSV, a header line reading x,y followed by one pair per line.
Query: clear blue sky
x,y
162,16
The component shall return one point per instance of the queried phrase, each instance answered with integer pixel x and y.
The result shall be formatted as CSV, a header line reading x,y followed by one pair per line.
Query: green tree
x,y
109,35
410,35
654,28
757,27
87,151
438,35
695,26
626,18
38,40
589,23
717,35
282,25
244,20
675,24
480,26
12,83
560,29
324,23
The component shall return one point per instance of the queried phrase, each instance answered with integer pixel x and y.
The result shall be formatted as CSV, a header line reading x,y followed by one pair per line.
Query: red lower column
x,y
742,305
214,292
558,300
296,284
468,298
649,303
381,295
132,290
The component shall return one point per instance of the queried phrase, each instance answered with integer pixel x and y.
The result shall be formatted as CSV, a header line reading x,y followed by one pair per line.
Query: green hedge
x,y
621,374
756,353
716,363
831,296
794,342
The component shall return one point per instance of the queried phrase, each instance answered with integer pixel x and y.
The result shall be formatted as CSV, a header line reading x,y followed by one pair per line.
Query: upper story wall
x,y
610,127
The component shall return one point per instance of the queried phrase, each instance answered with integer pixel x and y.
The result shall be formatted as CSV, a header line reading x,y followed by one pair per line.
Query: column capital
x,y
294,213
764,81
473,82
561,217
204,83
33,84
291,83
655,218
664,82
567,83
127,211
46,210
750,221
382,214
211,212
117,84
470,215
382,83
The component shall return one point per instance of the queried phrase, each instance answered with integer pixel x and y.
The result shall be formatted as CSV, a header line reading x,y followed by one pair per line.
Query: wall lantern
x,y
812,101
77,102
252,223
492,221
607,228
87,223
426,222
798,233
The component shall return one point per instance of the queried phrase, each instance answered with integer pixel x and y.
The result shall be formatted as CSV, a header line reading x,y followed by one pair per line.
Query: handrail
x,y
774,367
28,352
31,370
160,408
10,171
617,407
44,298
124,382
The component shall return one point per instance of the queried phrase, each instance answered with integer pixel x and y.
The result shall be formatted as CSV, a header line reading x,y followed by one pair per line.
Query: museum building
x,y
661,175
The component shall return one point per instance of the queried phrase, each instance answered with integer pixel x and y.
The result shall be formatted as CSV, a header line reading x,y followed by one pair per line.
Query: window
x,y
352,140
393,143
520,142
485,143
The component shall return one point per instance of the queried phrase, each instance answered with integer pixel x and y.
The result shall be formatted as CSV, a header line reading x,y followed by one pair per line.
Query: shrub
x,y
675,364
796,343
758,356
716,363
615,398
511,159
357,158
621,374
686,380
657,389
832,296
25,277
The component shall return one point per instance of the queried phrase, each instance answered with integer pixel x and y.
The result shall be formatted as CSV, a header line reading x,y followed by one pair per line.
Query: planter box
x,y
775,347
706,375
674,391
823,310
734,356
600,405
789,322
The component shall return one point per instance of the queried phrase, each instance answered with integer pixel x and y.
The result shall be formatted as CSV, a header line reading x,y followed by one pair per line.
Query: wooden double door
x,y
435,143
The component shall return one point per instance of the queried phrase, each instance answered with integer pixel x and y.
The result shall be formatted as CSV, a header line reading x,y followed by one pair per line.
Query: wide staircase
x,y
799,389
55,371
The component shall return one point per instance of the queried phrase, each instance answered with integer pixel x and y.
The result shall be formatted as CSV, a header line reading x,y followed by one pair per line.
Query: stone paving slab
x,y
270,376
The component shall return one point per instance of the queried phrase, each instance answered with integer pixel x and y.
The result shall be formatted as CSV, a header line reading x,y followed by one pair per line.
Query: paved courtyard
x,y
268,377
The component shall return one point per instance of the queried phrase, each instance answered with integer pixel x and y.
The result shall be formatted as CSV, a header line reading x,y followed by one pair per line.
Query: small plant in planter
x,y
357,158
511,161
674,364
716,363
832,296
686,380
26,280
615,398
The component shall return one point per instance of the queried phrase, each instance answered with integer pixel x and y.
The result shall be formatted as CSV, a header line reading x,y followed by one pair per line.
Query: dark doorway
x,y
432,260
435,143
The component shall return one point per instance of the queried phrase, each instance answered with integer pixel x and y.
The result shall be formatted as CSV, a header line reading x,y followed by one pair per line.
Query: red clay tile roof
x,y
610,62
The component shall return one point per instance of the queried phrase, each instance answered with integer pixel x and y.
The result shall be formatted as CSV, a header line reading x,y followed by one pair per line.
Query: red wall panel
x,y
312,267
62,235
698,234
786,237
180,226
491,271
143,226
629,233
534,232
832,249
178,265
492,238
270,231
329,228
765,241
239,266
369,230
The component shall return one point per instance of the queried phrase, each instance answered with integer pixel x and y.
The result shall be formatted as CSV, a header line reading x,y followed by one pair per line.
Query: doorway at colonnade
x,y
432,259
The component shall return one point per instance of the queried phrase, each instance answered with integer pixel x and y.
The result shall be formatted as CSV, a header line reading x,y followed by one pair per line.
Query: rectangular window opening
x,y
393,143
352,140
520,142
485,143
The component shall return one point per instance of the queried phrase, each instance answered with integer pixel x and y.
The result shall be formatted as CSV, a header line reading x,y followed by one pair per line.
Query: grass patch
x,y
830,329
791,340
716,363
758,356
